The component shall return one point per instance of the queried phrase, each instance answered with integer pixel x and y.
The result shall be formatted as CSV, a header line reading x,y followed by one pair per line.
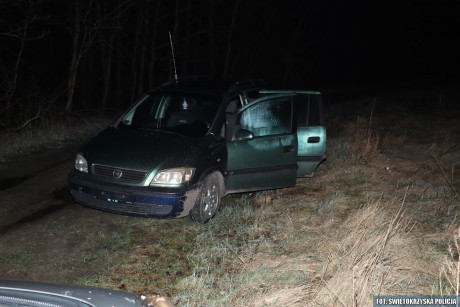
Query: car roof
x,y
208,86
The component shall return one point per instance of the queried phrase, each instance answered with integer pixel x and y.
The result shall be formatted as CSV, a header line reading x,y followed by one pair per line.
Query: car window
x,y
268,117
187,114
309,107
245,98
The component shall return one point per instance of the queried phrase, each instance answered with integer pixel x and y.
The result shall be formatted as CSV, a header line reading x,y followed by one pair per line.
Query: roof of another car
x,y
97,296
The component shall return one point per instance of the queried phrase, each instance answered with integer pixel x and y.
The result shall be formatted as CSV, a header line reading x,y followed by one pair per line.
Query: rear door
x,y
310,129
262,145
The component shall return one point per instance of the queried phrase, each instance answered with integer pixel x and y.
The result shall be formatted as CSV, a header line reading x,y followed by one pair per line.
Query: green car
x,y
183,146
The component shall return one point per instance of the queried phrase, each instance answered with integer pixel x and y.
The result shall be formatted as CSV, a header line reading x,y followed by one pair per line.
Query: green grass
x,y
17,262
138,257
217,245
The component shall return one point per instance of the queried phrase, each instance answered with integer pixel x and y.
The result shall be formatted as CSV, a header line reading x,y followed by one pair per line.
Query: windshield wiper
x,y
157,130
165,131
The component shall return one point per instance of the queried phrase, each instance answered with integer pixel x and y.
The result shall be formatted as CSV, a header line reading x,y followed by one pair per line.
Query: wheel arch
x,y
220,176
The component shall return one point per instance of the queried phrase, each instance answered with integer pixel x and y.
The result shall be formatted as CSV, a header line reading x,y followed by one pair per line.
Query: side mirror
x,y
244,134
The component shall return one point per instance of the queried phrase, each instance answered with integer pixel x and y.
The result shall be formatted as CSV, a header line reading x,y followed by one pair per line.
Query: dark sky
x,y
390,42
123,45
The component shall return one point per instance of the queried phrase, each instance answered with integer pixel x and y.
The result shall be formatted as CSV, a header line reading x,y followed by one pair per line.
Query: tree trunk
x,y
71,83
212,67
152,48
14,84
119,63
106,57
294,46
229,41
135,55
143,51
108,74
188,38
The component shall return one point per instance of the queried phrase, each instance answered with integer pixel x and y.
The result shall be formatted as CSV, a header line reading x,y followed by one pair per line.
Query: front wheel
x,y
209,199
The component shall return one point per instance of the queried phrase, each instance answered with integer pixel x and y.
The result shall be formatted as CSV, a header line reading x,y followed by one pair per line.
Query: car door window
x,y
270,117
309,107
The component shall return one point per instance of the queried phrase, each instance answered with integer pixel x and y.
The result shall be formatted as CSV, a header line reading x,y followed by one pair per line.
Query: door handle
x,y
313,139
289,148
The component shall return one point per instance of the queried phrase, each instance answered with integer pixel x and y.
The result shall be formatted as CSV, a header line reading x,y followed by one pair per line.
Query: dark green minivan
x,y
183,146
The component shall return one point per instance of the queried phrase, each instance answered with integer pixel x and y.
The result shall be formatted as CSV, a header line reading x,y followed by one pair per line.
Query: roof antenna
x,y
173,58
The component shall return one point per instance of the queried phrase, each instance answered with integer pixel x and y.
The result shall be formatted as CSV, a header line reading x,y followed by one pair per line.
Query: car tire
x,y
208,200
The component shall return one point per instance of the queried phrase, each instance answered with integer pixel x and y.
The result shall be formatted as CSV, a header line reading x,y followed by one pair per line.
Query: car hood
x,y
142,150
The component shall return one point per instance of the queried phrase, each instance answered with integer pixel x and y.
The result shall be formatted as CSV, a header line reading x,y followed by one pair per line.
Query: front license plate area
x,y
112,197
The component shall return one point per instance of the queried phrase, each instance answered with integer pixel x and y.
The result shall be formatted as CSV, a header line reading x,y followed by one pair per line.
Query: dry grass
x,y
360,141
368,257
449,275
291,263
354,231
365,142
49,133
371,253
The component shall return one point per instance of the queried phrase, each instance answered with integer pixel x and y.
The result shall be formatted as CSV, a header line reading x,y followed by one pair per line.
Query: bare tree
x,y
83,37
85,34
211,45
229,40
135,56
112,20
19,33
152,47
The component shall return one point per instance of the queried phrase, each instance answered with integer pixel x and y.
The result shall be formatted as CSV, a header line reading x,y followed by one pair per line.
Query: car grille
x,y
126,174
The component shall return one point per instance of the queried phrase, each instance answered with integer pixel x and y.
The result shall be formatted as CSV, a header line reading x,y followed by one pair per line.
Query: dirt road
x,y
34,184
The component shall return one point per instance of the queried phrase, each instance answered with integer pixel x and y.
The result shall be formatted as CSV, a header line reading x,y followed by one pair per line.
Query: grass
x,y
358,264
138,257
222,247
379,217
341,266
449,275
49,133
99,249
363,231
15,263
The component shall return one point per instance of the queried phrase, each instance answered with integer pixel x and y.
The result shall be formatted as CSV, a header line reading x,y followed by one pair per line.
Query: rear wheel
x,y
208,201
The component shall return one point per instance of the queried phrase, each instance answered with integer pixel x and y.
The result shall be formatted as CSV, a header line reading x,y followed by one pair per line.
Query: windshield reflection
x,y
177,113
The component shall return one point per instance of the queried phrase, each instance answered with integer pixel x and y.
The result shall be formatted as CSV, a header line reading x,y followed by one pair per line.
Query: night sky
x,y
123,49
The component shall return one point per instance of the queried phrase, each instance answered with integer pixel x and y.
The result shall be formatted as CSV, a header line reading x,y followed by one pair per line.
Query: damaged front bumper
x,y
131,200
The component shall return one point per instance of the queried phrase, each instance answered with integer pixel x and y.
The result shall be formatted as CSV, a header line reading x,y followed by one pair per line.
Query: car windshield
x,y
179,113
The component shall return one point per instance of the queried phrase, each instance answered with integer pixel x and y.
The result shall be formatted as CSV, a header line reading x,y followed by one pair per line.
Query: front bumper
x,y
130,200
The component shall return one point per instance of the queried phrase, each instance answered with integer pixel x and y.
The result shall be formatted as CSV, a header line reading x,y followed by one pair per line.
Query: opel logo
x,y
117,173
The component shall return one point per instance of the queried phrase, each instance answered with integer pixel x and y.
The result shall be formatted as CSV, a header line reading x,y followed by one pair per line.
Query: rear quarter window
x,y
309,110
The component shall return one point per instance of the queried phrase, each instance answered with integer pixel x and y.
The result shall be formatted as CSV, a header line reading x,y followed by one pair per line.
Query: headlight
x,y
173,176
81,164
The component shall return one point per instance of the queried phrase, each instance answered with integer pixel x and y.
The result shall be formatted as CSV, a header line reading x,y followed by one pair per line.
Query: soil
x,y
28,183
